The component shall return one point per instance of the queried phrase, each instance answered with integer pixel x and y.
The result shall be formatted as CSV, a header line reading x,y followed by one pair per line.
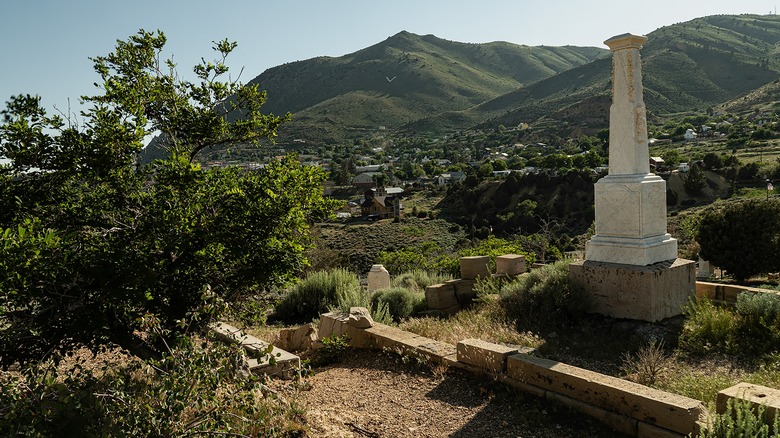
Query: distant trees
x,y
742,237
695,181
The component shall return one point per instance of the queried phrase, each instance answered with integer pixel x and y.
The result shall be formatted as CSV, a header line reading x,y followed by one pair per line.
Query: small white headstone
x,y
378,278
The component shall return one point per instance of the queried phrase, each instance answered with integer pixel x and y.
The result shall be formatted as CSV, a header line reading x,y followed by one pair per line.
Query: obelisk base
x,y
647,293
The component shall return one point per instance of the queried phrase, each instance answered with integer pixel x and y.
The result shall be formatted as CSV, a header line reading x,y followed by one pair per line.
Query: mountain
x,y
405,78
688,66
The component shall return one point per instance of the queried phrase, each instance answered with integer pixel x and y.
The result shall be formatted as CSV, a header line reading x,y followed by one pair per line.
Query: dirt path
x,y
374,394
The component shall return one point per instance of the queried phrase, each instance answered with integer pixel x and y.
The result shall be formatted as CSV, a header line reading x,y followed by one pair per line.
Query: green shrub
x,y
758,330
317,293
545,291
401,302
419,279
198,390
741,421
707,328
332,351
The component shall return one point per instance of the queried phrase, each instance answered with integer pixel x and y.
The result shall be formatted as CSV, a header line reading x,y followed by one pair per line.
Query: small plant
x,y
741,421
332,351
647,364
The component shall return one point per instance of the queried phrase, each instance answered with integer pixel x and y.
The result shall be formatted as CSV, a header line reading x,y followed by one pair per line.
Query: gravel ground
x,y
375,394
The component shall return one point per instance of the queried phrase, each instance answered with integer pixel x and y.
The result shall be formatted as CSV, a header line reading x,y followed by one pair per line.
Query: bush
x,y
741,421
759,322
707,328
317,293
544,292
742,237
419,280
191,390
401,302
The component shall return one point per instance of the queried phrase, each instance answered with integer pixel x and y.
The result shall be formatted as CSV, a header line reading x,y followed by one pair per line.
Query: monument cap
x,y
625,41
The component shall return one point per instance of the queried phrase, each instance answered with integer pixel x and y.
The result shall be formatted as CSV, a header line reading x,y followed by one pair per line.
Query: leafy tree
x,y
695,181
92,246
712,161
742,237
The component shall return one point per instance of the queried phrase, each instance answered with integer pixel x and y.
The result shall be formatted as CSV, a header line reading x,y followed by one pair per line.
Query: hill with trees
x,y
407,77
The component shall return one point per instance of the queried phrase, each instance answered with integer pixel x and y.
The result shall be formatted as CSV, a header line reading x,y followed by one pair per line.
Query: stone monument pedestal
x,y
648,293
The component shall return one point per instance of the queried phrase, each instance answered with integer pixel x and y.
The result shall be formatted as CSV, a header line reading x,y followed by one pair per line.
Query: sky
x,y
46,44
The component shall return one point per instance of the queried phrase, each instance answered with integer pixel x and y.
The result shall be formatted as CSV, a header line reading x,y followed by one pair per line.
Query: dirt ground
x,y
376,394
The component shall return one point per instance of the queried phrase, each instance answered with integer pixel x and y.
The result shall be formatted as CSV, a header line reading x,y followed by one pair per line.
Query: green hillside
x,y
407,77
688,66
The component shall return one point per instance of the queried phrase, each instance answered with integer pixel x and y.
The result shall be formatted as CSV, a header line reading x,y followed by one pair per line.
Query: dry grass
x,y
485,321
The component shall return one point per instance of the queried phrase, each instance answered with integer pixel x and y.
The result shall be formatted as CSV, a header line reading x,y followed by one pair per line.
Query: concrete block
x,y
485,355
264,357
645,430
389,338
669,411
648,293
464,290
474,267
618,423
706,290
296,339
523,387
756,394
510,264
333,324
440,296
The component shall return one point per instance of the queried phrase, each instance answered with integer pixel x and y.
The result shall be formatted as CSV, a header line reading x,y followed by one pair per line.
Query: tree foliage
x,y
91,244
742,237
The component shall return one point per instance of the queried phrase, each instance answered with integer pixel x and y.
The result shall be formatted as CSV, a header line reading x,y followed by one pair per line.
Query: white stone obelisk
x,y
630,201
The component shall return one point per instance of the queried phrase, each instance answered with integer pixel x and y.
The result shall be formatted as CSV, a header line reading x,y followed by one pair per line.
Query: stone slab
x,y
756,394
669,411
510,264
464,290
645,430
485,355
272,362
474,267
333,324
440,296
298,338
618,423
648,293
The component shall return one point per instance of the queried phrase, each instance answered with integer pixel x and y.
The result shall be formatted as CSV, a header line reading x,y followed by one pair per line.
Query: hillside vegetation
x,y
407,77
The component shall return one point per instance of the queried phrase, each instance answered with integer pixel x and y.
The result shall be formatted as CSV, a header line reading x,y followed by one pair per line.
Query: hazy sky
x,y
46,43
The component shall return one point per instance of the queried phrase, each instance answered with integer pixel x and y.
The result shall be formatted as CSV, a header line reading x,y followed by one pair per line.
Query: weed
x,y
332,351
647,364
544,292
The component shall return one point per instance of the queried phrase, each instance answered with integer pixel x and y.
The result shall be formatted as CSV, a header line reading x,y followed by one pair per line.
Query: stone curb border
x,y
627,407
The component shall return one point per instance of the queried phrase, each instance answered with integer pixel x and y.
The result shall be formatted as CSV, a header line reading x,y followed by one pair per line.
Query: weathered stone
x,y
378,278
474,267
646,430
756,394
296,339
630,201
464,290
360,317
485,355
669,411
333,324
264,357
510,264
618,423
440,296
648,293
